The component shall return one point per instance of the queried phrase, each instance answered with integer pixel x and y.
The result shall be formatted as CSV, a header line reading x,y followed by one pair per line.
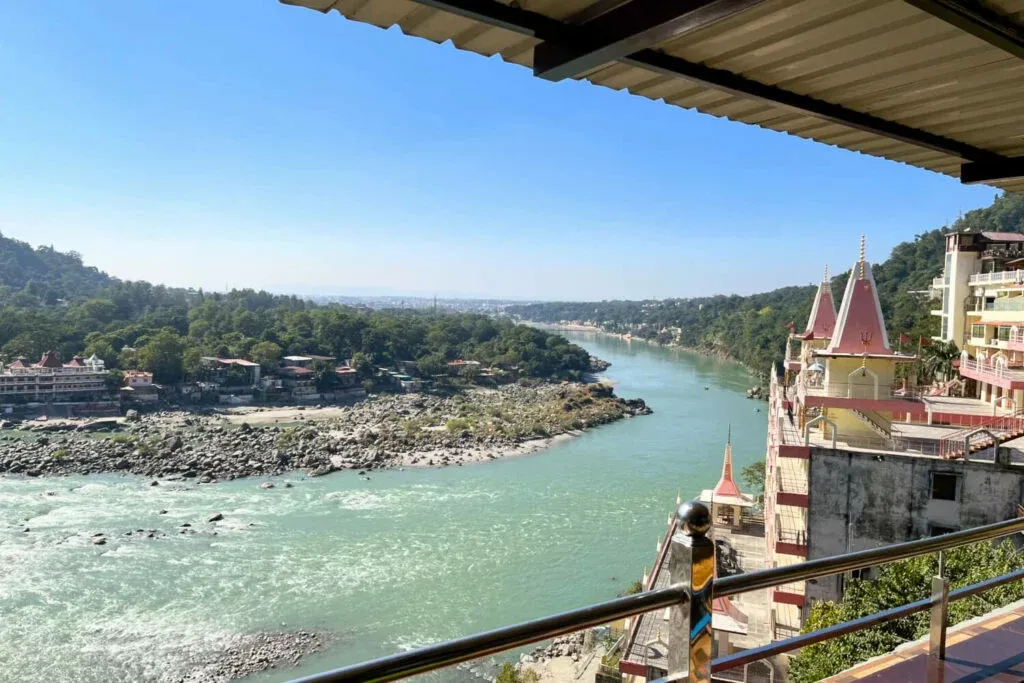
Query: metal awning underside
x,y
937,84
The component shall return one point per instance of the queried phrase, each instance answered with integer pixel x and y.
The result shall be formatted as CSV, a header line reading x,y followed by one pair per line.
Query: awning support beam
x,y
634,26
546,29
980,172
979,21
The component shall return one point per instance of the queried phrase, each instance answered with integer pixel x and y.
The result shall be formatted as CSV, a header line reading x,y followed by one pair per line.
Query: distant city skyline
x,y
239,144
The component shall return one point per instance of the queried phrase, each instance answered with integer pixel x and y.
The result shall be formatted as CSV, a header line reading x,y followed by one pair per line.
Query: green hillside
x,y
752,328
50,300
45,275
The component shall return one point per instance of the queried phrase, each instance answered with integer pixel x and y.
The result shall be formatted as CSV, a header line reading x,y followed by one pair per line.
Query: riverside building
x,y
982,294
860,456
51,380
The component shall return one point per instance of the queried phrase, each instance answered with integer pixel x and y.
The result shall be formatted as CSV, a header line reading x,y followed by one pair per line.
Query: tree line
x,y
753,329
50,300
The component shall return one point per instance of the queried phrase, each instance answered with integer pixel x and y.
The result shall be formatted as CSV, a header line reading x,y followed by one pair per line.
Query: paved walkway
x,y
983,650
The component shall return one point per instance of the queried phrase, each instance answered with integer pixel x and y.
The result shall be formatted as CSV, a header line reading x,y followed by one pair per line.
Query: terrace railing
x,y
691,567
1005,276
991,370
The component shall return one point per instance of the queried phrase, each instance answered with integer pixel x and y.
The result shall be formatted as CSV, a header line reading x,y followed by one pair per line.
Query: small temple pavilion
x,y
727,503
741,623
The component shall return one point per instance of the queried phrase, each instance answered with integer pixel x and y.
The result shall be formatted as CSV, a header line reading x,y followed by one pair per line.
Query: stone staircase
x,y
986,434
878,423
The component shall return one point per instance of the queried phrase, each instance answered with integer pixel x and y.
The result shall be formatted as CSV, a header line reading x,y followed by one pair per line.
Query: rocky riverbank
x,y
253,653
385,431
573,657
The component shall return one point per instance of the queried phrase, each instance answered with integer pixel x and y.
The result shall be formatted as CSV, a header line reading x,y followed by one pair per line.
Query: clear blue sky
x,y
235,143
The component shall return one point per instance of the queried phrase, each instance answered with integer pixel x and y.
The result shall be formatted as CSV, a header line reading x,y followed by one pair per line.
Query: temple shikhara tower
x,y
862,452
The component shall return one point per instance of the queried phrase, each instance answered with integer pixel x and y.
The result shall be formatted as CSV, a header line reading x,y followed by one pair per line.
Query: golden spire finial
x,y
862,257
826,273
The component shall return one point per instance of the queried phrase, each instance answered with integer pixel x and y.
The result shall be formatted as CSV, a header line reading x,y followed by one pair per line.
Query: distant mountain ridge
x,y
752,329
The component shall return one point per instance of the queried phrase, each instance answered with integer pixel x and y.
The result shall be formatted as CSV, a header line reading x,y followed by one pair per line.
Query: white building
x,y
50,380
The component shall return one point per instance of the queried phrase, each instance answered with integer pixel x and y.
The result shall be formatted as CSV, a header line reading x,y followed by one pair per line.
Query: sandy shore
x,y
475,455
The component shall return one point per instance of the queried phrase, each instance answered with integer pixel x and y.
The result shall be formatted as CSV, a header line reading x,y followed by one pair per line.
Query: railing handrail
x,y
804,639
440,655
837,564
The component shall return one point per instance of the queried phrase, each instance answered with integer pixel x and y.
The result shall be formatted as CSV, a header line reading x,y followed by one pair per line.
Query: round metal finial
x,y
694,518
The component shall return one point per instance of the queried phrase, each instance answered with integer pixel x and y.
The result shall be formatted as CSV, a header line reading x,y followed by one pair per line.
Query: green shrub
x,y
510,674
458,424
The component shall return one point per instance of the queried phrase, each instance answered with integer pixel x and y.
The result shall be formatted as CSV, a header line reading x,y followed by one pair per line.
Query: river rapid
x,y
401,560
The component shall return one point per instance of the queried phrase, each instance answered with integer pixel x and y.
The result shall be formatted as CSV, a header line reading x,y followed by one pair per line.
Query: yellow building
x,y
982,292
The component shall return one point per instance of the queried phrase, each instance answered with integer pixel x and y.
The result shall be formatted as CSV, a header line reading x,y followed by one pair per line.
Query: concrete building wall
x,y
960,265
862,500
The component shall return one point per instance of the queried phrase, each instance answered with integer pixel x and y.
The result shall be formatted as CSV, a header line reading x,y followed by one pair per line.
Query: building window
x,y
946,272
944,486
978,331
1004,333
945,327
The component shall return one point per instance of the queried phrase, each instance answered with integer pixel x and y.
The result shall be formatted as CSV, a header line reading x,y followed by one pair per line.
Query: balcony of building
x,y
1013,277
790,531
865,395
996,373
790,594
791,482
792,359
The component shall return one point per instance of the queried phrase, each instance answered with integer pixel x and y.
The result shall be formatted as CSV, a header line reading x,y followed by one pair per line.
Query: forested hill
x,y
50,300
45,275
752,329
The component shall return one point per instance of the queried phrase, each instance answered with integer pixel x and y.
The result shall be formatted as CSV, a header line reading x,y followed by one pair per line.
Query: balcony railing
x,y
845,390
1005,276
791,536
692,554
991,370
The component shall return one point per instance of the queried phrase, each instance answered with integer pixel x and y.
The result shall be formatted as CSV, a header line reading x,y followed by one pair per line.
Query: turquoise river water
x,y
405,559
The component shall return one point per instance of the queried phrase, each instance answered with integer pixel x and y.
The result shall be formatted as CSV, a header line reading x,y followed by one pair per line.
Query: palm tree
x,y
937,360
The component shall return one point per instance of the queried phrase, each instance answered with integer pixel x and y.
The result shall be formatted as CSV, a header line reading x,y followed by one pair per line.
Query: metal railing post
x,y
937,627
692,564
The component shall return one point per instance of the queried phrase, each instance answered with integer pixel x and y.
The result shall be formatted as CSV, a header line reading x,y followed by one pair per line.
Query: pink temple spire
x,y
860,327
822,322
726,486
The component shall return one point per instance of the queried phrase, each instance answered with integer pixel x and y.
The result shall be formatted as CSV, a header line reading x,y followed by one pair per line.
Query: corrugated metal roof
x,y
885,58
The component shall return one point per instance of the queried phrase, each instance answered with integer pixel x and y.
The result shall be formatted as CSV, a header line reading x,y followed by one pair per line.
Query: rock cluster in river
x,y
571,645
381,432
253,653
